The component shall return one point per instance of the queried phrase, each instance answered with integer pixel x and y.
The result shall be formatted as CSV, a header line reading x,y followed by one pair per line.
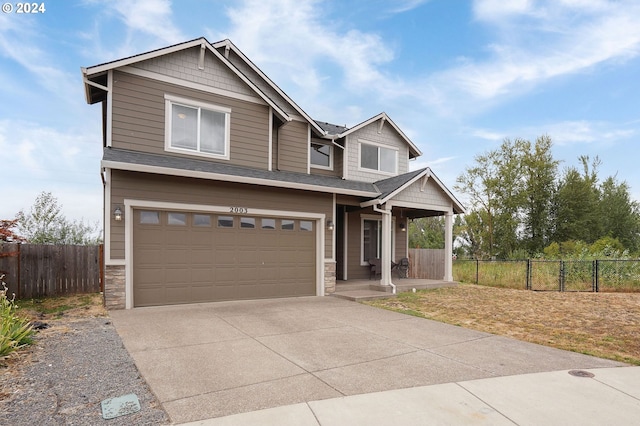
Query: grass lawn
x,y
606,325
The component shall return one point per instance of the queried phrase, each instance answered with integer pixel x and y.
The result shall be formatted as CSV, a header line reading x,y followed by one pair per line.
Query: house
x,y
218,186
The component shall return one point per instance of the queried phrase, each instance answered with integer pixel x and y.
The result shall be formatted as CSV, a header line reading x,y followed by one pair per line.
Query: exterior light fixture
x,y
117,214
330,225
403,227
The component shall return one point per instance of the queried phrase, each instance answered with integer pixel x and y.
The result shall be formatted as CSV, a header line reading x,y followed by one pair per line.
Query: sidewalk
x,y
610,397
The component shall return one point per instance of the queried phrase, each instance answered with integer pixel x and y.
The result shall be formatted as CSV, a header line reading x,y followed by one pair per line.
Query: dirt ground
x,y
605,325
57,313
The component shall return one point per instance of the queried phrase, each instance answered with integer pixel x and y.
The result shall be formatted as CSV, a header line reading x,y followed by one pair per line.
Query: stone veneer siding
x,y
329,277
114,287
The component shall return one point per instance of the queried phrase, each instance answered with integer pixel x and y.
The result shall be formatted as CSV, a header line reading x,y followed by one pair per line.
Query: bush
x,y
15,332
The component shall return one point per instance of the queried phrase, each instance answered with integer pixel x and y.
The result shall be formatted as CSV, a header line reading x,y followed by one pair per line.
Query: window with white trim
x,y
321,156
371,239
196,127
378,158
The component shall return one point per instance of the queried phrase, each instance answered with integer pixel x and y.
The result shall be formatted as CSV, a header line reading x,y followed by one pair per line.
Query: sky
x,y
458,77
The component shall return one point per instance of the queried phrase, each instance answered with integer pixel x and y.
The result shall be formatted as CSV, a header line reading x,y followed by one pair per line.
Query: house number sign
x,y
241,210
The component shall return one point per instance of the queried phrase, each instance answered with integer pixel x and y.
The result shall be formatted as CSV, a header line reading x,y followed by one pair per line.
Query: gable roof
x,y
93,76
228,44
413,149
390,187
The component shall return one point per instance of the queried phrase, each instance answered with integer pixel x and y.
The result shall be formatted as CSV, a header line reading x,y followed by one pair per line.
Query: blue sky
x,y
457,76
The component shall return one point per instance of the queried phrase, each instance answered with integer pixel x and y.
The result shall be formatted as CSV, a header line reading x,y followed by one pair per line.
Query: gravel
x,y
73,367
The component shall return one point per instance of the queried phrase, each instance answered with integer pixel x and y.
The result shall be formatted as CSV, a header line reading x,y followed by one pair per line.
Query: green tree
x,y
427,232
619,215
540,170
45,224
576,210
496,191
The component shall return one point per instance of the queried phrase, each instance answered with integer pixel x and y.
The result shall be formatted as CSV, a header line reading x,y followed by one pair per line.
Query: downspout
x,y
388,263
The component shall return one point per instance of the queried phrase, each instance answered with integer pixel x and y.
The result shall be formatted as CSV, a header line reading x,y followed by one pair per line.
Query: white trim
x,y
331,155
191,85
142,57
106,202
420,206
228,44
122,63
230,178
270,145
170,100
378,218
345,258
378,145
131,204
381,116
335,229
109,123
308,148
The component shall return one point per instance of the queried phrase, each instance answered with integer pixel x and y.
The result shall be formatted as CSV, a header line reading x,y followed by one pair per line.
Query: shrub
x,y
15,332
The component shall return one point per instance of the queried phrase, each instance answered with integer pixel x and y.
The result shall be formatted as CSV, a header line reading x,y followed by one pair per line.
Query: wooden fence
x,y
426,263
33,270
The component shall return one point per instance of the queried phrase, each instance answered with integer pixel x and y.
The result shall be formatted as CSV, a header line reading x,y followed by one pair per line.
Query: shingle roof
x,y
323,183
390,185
331,129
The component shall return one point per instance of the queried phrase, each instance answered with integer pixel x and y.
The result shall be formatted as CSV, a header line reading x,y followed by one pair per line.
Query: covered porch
x,y
374,232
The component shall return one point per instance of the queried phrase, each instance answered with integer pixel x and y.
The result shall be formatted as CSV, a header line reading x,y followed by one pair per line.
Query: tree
x,y
496,189
6,231
576,210
45,224
540,171
619,215
427,232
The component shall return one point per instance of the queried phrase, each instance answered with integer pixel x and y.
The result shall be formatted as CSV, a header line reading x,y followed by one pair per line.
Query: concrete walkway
x,y
610,397
322,354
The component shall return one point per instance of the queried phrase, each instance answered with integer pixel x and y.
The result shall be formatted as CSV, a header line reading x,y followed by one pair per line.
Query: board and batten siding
x,y
293,147
139,120
144,186
387,137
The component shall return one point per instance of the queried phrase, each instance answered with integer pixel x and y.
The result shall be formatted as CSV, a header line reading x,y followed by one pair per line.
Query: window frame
x,y
319,166
376,218
378,147
171,100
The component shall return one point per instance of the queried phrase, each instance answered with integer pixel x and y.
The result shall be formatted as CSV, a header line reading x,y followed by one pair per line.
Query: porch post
x,y
448,246
386,247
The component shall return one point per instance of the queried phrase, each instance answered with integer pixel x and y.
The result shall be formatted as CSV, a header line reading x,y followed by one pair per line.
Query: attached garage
x,y
187,257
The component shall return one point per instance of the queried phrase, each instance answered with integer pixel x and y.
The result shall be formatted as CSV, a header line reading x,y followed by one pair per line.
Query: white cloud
x,y
153,17
295,40
538,41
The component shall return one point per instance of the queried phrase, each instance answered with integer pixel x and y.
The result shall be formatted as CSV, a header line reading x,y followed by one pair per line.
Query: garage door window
x,y
177,219
201,220
247,222
225,221
268,223
306,225
287,224
149,218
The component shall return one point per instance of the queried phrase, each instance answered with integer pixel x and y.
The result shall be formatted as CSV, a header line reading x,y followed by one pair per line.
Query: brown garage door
x,y
185,257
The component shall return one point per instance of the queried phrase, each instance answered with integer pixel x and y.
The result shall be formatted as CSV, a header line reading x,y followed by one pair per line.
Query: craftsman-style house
x,y
218,186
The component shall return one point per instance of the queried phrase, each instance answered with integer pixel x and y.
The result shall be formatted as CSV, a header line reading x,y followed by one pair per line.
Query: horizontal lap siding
x,y
143,186
139,120
293,147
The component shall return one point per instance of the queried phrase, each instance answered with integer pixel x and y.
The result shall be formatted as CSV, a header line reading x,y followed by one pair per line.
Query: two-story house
x,y
218,186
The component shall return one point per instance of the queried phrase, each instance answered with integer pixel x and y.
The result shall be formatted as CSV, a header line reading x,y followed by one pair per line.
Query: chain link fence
x,y
608,275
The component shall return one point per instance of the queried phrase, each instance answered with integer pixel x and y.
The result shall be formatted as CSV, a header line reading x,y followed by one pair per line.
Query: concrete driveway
x,y
217,359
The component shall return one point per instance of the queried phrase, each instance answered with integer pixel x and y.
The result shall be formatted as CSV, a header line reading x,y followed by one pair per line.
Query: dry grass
x,y
606,325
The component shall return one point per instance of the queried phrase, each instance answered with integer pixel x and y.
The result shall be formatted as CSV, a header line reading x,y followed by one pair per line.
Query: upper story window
x,y
378,158
196,127
321,156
